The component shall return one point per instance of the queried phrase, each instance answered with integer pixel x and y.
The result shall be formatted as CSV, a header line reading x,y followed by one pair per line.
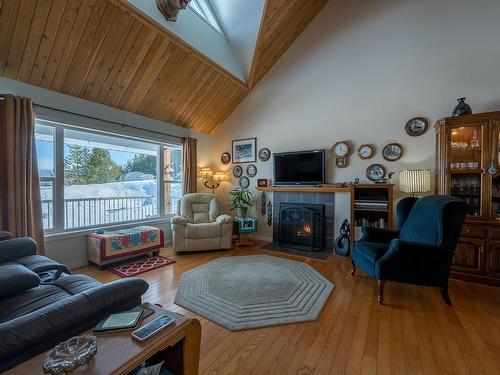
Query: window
x,y
204,10
90,179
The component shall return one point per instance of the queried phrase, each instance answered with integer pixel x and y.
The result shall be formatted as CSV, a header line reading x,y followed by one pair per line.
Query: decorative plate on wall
x,y
392,151
225,158
251,170
366,151
264,154
375,172
416,126
237,171
244,182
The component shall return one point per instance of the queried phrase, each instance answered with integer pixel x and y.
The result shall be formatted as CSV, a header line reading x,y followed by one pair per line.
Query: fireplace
x,y
302,226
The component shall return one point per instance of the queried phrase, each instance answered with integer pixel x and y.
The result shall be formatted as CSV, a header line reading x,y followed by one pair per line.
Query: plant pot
x,y
241,211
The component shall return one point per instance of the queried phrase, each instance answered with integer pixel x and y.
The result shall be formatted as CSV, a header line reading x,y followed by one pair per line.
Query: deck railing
x,y
87,212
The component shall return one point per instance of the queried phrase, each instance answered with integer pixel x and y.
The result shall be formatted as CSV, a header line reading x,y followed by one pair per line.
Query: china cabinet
x,y
467,167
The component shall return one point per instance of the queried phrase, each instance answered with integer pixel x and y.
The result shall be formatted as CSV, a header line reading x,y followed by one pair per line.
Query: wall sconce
x,y
211,179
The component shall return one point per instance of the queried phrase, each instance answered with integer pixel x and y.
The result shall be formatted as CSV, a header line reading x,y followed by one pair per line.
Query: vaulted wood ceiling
x,y
108,52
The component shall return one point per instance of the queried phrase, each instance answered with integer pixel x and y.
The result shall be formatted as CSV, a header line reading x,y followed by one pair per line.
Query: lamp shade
x,y
415,181
205,172
219,175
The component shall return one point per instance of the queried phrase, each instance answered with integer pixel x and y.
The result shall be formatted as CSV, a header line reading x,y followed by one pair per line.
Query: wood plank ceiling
x,y
108,52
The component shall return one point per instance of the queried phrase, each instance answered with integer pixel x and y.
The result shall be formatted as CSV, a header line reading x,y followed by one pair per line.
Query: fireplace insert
x,y
302,226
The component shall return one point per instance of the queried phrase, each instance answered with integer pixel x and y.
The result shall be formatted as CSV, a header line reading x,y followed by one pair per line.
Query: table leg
x,y
191,348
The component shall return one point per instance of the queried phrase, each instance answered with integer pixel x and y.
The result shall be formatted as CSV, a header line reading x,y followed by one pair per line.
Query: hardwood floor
x,y
414,332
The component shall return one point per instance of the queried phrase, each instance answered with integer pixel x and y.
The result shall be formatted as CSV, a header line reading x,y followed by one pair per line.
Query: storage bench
x,y
105,247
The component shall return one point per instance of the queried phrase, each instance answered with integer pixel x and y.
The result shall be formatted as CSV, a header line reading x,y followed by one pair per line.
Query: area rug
x,y
140,266
253,291
274,246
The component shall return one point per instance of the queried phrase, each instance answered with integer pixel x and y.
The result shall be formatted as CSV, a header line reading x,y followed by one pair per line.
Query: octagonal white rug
x,y
253,291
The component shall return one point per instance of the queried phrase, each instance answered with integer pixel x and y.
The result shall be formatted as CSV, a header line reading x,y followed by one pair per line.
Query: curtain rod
x,y
112,122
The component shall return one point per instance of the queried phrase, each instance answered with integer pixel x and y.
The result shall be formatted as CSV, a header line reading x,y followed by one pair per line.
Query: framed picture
x,y
262,182
245,150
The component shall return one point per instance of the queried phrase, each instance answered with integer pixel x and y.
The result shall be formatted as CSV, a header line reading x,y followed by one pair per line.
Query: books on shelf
x,y
371,205
363,222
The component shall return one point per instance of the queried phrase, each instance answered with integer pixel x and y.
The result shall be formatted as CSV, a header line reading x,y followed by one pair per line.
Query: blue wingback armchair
x,y
421,251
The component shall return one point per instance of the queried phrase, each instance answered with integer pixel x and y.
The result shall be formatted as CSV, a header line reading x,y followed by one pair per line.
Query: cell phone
x,y
152,328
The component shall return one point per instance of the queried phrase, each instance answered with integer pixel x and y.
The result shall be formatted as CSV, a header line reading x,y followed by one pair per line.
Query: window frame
x,y
57,180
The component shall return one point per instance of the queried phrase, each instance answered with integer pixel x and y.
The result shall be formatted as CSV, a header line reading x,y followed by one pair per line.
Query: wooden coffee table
x,y
118,353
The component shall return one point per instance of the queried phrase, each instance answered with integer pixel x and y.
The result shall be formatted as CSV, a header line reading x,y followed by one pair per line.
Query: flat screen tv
x,y
299,168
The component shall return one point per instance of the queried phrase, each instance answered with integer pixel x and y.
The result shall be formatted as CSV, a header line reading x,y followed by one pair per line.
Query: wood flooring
x,y
414,332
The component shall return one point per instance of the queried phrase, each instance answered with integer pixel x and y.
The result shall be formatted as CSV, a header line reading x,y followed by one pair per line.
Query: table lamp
x,y
415,181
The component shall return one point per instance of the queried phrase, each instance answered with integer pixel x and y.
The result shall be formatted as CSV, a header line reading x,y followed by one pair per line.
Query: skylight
x,y
202,9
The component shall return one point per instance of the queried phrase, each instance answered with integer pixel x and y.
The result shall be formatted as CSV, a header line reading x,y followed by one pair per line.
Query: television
x,y
299,168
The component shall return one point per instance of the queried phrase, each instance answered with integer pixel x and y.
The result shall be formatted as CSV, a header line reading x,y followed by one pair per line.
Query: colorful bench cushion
x,y
123,242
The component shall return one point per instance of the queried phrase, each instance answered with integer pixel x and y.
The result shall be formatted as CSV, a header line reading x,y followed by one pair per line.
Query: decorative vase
x,y
462,108
241,211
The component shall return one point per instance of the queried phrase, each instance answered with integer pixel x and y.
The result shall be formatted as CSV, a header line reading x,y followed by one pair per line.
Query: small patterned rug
x,y
140,266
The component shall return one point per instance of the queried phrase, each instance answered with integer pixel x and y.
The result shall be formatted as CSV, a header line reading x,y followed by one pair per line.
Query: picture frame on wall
x,y
245,150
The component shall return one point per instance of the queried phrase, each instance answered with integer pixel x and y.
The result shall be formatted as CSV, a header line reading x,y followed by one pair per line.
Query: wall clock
x,y
244,182
375,172
237,171
225,158
366,151
264,154
251,170
392,151
341,151
416,126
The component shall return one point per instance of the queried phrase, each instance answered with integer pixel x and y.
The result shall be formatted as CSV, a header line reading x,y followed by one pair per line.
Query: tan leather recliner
x,y
201,225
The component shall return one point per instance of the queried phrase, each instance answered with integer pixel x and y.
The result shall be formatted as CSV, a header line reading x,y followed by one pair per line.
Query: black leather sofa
x,y
42,304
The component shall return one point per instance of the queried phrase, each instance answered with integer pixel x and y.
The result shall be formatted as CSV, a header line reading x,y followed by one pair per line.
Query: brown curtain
x,y
20,206
190,163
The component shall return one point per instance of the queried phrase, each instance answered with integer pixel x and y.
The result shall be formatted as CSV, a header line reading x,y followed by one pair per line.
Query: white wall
x,y
72,250
360,70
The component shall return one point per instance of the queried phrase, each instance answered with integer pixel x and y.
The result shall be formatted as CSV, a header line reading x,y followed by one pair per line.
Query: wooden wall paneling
x,y
169,84
42,10
168,74
110,52
71,46
125,51
193,91
49,36
19,38
132,64
82,67
8,17
113,42
62,36
92,37
147,74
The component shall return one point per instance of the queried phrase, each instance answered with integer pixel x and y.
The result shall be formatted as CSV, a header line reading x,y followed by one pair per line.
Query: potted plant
x,y
240,201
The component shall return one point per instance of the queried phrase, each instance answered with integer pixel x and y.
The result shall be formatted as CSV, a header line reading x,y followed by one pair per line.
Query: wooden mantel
x,y
307,189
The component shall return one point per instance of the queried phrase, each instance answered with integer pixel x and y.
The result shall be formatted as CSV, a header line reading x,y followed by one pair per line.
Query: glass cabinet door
x,y
495,174
466,166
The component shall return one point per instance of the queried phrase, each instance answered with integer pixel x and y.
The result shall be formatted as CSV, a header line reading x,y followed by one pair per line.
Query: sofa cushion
x,y
40,263
37,298
206,230
15,278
